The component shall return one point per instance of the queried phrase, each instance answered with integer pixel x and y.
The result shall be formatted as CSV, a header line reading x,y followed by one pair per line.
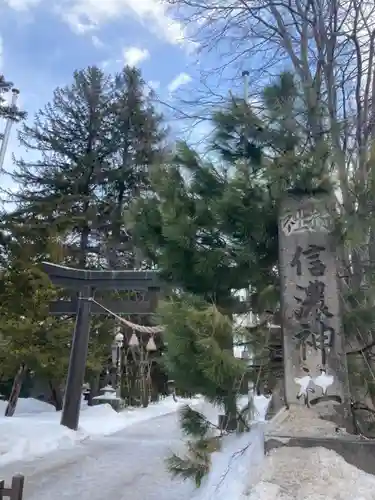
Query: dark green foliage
x,y
197,460
196,463
276,143
199,356
206,230
138,141
71,134
96,140
211,228
193,423
92,147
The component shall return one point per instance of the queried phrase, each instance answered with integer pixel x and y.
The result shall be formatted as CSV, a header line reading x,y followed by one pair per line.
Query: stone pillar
x,y
314,359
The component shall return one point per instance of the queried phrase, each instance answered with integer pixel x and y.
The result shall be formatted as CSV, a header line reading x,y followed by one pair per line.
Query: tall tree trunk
x,y
16,389
56,393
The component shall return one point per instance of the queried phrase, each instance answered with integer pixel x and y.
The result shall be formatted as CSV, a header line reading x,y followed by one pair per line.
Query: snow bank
x,y
35,429
233,467
28,405
261,404
310,474
305,423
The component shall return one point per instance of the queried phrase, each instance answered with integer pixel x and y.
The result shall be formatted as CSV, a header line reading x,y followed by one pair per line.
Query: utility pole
x,y
9,122
245,76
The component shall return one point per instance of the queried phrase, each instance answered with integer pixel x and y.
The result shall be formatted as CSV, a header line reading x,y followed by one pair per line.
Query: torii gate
x,y
145,284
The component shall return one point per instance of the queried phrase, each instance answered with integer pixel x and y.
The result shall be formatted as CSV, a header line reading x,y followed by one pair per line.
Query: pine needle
x,y
193,423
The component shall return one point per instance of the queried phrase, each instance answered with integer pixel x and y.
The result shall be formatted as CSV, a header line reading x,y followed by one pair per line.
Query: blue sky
x,y
43,42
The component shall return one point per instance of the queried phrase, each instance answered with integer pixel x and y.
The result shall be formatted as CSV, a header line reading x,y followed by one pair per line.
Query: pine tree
x,y
29,336
210,235
138,135
274,139
72,135
96,140
198,356
212,225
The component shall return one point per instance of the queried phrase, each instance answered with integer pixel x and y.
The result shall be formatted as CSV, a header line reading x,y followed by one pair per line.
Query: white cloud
x,y
1,51
97,42
88,15
22,4
178,81
133,55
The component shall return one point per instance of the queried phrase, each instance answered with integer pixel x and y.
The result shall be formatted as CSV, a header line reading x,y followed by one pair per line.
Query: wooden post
x,y
18,482
15,392
77,362
15,492
314,358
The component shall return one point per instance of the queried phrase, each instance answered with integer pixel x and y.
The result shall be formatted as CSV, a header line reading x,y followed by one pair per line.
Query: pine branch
x,y
196,464
186,468
194,423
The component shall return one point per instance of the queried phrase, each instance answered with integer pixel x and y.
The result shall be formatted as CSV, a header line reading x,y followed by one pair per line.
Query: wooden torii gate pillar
x,y
85,282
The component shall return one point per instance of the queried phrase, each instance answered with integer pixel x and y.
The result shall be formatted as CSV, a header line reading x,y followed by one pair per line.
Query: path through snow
x,y
128,465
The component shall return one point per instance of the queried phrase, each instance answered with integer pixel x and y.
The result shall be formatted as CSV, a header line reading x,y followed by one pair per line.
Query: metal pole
x,y
8,127
77,362
245,76
118,374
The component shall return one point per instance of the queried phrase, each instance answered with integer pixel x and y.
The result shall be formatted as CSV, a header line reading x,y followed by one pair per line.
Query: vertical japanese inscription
x,y
312,341
311,312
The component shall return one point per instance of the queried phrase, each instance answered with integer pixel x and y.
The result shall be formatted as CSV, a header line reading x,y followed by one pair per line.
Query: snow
x,y
232,467
239,459
240,471
261,404
127,465
28,406
107,396
35,429
305,423
310,474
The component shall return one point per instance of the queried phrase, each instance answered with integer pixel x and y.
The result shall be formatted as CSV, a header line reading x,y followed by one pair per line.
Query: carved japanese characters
x,y
310,303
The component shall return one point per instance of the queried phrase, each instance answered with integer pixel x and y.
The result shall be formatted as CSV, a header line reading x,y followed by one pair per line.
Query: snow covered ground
x,y
123,456
242,472
127,464
35,429
310,474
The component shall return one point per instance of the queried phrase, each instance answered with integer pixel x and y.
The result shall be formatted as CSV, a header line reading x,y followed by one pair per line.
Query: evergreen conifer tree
x,y
211,228
95,140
